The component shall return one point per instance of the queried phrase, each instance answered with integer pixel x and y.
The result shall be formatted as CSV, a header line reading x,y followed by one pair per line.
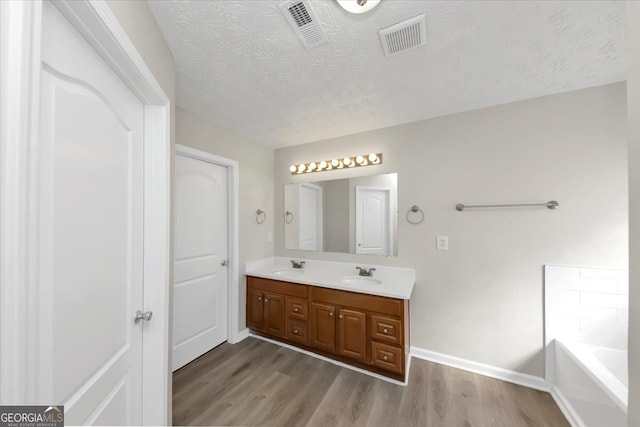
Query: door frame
x,y
20,30
233,203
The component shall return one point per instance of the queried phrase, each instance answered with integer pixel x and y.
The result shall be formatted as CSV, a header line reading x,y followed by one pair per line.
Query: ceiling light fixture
x,y
358,6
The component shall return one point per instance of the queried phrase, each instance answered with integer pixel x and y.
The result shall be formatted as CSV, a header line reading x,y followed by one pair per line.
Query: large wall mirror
x,y
352,215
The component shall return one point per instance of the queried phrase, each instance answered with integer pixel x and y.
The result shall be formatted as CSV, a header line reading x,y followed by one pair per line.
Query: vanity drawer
x,y
386,357
386,329
383,305
297,308
285,288
298,331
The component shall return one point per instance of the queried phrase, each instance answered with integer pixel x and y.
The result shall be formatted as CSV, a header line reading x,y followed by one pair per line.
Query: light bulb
x,y
323,164
358,6
360,160
301,168
373,158
312,165
346,161
335,162
293,168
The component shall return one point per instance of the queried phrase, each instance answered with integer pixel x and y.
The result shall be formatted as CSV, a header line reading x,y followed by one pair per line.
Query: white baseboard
x,y
566,408
519,378
335,362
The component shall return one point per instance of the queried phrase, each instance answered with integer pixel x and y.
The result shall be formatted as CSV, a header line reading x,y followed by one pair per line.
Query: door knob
x,y
224,263
143,316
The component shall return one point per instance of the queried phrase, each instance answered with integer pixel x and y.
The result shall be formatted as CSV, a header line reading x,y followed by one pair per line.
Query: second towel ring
x,y
414,209
261,216
288,217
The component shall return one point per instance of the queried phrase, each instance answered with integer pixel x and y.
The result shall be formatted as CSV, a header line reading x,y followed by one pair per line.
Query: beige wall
x,y
633,105
482,299
256,184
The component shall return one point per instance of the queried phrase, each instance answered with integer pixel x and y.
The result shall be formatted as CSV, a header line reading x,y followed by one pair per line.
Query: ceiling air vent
x,y
404,36
304,22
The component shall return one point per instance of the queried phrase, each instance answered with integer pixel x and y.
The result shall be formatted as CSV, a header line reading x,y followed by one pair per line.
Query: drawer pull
x,y
385,358
295,332
296,309
385,330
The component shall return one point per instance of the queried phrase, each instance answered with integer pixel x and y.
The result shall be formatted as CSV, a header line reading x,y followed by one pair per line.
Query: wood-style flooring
x,y
258,383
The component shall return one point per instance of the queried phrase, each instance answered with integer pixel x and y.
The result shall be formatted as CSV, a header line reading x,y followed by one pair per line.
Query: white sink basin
x,y
360,281
287,272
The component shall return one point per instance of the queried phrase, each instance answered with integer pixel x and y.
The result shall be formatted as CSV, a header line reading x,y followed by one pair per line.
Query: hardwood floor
x,y
258,383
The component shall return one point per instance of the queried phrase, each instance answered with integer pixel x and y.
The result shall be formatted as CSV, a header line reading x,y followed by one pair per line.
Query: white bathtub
x,y
591,384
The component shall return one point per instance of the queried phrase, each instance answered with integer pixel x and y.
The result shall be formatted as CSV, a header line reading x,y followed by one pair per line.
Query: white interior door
x,y
373,220
90,233
310,217
201,258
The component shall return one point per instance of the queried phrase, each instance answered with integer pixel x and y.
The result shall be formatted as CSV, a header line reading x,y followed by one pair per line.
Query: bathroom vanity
x,y
326,309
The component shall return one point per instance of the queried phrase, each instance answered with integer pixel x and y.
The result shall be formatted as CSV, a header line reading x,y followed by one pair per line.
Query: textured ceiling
x,y
240,64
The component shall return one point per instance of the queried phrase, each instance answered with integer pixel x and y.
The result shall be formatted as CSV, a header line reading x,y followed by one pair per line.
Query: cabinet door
x,y
255,310
352,334
274,314
323,327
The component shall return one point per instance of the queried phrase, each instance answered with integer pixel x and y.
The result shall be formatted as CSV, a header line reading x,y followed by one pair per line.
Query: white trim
x,y
233,304
242,335
335,362
20,24
514,377
566,408
20,60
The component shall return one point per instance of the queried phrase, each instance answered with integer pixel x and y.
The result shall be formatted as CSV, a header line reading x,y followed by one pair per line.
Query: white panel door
x,y
310,233
201,248
373,218
90,221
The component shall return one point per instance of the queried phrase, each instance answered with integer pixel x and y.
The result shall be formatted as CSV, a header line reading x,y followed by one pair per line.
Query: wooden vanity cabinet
x,y
367,331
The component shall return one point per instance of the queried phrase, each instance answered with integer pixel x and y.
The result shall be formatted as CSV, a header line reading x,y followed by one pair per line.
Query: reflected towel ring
x,y
415,209
261,216
288,217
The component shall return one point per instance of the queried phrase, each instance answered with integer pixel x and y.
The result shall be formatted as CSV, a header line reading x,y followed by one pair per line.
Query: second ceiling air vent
x,y
304,22
404,36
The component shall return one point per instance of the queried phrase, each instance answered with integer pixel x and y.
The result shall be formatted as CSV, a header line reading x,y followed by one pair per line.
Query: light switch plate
x,y
442,243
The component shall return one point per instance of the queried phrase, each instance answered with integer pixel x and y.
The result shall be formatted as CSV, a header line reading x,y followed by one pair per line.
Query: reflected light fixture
x,y
358,6
346,162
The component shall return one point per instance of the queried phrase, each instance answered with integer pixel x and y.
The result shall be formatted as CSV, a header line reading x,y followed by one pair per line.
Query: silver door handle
x,y
143,316
224,263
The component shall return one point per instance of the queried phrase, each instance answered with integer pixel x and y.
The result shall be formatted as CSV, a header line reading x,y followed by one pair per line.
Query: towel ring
x,y
288,217
261,216
415,209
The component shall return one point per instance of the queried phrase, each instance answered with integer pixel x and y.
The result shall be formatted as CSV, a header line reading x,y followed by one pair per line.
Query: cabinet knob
x,y
296,309
330,313
266,299
340,316
259,298
385,358
385,330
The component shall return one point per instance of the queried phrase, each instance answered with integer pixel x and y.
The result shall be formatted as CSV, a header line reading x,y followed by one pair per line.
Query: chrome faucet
x,y
365,272
295,264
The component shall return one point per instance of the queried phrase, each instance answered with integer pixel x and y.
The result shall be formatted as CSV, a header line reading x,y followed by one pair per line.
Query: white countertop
x,y
391,282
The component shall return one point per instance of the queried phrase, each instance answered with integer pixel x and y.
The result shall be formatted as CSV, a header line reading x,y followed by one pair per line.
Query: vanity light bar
x,y
327,165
